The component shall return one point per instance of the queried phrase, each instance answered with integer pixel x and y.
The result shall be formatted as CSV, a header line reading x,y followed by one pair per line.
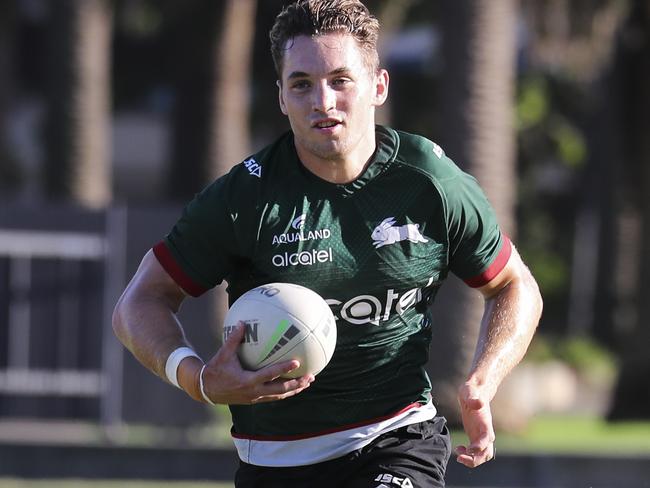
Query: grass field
x,y
550,434
575,435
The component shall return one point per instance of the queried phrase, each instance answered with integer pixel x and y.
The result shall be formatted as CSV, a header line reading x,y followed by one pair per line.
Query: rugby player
x,y
373,219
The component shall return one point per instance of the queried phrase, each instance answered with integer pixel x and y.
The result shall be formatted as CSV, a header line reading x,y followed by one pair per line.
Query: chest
x,y
381,242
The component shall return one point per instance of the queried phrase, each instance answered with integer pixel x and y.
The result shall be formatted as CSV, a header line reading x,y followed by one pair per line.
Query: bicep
x,y
514,271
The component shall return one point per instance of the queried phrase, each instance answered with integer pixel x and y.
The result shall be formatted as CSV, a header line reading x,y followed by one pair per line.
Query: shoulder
x,y
249,177
457,189
261,165
426,157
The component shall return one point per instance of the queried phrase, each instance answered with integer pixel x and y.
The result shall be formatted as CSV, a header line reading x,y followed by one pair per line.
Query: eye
x,y
340,81
300,85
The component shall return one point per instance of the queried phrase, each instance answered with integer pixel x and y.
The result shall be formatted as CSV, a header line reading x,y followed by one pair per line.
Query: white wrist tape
x,y
203,394
174,359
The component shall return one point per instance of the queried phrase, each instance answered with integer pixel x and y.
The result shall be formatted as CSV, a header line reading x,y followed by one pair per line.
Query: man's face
x,y
329,95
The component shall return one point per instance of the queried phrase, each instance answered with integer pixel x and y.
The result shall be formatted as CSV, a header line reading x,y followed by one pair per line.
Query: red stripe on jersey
x,y
325,432
495,268
167,261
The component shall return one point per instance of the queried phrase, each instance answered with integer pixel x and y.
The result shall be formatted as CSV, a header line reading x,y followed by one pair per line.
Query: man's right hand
x,y
226,382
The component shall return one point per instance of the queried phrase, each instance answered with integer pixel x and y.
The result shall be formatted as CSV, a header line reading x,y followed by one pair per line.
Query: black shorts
x,y
412,456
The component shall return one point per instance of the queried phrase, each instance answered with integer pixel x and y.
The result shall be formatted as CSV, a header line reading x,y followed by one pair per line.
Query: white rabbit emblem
x,y
386,233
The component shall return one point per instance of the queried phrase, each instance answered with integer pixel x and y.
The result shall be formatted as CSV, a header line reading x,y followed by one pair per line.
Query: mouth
x,y
326,124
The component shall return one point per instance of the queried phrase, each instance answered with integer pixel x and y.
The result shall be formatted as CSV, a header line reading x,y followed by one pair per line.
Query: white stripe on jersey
x,y
278,453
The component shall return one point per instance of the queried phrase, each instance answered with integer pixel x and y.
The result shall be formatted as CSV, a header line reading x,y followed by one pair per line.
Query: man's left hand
x,y
477,422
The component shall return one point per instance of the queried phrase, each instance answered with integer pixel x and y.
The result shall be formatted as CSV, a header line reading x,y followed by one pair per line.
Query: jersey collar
x,y
387,142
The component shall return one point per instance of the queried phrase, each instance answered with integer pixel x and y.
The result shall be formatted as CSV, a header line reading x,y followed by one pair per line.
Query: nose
x,y
324,98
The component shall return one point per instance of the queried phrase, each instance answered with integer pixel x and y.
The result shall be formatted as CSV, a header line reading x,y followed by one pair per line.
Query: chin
x,y
330,154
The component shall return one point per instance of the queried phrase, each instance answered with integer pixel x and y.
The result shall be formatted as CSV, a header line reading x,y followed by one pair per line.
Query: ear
x,y
381,87
386,223
283,107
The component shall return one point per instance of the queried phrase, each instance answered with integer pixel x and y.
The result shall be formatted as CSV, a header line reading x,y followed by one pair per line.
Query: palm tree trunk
x,y
477,96
212,51
632,395
391,16
10,176
194,26
77,134
230,117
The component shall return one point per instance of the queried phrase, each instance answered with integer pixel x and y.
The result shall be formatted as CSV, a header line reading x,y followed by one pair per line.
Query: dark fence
x,y
61,271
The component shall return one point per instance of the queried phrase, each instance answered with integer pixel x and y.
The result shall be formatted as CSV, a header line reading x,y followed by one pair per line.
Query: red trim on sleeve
x,y
167,261
497,265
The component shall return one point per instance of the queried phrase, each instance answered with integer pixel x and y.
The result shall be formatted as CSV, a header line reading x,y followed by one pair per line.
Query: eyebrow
x,y
301,74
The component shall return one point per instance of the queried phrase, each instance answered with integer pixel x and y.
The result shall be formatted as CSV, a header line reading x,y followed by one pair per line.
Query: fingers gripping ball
x,y
283,322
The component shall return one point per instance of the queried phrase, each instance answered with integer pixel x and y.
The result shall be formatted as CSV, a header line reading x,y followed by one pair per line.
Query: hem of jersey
x,y
495,268
169,263
321,433
316,449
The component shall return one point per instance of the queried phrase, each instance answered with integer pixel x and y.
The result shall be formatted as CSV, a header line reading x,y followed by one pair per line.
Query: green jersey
x,y
377,249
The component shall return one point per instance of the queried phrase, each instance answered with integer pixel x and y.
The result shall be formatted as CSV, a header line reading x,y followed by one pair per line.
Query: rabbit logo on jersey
x,y
388,233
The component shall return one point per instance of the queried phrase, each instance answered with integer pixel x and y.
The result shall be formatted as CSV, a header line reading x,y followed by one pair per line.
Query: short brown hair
x,y
316,17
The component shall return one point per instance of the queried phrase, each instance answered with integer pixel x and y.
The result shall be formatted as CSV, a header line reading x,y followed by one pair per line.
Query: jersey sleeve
x,y
200,248
478,248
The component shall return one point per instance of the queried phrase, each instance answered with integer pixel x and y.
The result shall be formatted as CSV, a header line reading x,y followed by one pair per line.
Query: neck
x,y
336,171
343,168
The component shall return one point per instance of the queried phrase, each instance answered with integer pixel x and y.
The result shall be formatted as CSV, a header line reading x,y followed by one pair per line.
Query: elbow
x,y
117,320
538,295
536,300
538,309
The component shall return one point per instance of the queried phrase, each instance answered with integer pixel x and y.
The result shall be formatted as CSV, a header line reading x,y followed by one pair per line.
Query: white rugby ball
x,y
283,321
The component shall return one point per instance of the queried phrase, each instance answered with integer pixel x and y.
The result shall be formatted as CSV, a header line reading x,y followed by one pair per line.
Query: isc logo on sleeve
x,y
253,167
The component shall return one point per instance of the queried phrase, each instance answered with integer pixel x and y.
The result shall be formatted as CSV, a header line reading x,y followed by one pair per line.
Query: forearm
x,y
148,329
145,321
509,322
